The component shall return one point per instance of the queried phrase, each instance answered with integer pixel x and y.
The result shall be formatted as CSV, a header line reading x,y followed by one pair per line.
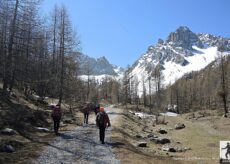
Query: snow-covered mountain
x,y
97,68
182,52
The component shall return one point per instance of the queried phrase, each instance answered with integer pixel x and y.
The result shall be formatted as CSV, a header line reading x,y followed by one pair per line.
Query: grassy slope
x,y
202,135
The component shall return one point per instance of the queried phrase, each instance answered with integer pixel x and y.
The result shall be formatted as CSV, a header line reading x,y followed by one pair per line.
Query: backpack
x,y
101,118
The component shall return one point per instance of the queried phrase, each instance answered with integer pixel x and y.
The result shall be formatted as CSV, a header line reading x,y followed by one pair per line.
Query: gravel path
x,y
81,145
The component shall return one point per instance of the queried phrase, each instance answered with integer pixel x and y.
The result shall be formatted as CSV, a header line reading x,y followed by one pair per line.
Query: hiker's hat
x,y
102,109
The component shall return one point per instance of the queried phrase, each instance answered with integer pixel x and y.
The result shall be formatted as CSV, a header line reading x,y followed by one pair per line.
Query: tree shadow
x,y
115,144
66,136
115,113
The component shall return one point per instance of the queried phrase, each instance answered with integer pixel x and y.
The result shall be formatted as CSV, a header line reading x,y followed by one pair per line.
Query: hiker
x,y
102,121
97,109
56,115
228,150
86,110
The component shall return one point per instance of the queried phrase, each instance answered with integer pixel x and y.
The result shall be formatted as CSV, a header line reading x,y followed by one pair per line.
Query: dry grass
x,y
202,135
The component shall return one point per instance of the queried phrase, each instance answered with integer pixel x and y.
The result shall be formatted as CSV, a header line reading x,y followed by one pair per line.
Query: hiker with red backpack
x,y
56,115
102,121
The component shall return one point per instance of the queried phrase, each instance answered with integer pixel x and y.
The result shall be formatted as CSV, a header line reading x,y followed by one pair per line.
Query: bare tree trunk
x,y
223,93
62,49
223,83
9,60
150,96
54,39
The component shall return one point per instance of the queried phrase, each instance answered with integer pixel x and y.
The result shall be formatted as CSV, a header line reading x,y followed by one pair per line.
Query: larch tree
x,y
223,93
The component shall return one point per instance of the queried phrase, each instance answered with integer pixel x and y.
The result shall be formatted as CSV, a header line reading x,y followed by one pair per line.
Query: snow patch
x,y
141,114
169,114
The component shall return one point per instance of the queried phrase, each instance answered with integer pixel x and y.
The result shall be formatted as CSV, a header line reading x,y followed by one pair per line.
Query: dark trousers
x,y
102,133
86,117
56,125
226,154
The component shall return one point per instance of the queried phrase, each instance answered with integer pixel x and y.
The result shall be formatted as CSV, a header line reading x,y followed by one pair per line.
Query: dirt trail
x,y
81,145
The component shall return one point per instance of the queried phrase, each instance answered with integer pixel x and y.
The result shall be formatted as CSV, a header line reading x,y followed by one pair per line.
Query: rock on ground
x,y
179,126
8,131
7,148
161,140
142,144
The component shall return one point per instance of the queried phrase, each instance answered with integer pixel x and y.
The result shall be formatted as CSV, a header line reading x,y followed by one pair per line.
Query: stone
x,y
12,94
160,140
179,126
179,149
7,148
142,144
8,131
162,131
187,148
152,136
168,149
43,129
139,136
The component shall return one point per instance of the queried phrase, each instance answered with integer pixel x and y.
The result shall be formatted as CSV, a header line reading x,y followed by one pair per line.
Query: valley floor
x,y
199,140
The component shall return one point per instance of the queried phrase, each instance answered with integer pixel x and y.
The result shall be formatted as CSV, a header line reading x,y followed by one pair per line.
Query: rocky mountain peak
x,y
184,37
99,66
102,59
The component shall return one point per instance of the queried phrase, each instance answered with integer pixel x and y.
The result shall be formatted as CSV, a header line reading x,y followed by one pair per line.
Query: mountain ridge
x,y
97,66
182,52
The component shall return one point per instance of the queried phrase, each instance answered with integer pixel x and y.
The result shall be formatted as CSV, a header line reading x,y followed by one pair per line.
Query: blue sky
x,y
122,30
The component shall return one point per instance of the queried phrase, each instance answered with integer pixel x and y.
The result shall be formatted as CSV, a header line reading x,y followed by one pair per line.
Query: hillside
x,y
202,89
26,126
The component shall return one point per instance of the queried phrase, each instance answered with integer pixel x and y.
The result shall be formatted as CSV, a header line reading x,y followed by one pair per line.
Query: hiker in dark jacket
x,y
97,109
86,110
56,115
102,121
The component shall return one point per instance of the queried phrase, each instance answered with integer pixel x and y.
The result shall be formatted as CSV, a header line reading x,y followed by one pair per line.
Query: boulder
x,y
162,131
8,131
160,140
168,148
139,136
142,144
179,126
7,148
152,136
186,148
180,149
